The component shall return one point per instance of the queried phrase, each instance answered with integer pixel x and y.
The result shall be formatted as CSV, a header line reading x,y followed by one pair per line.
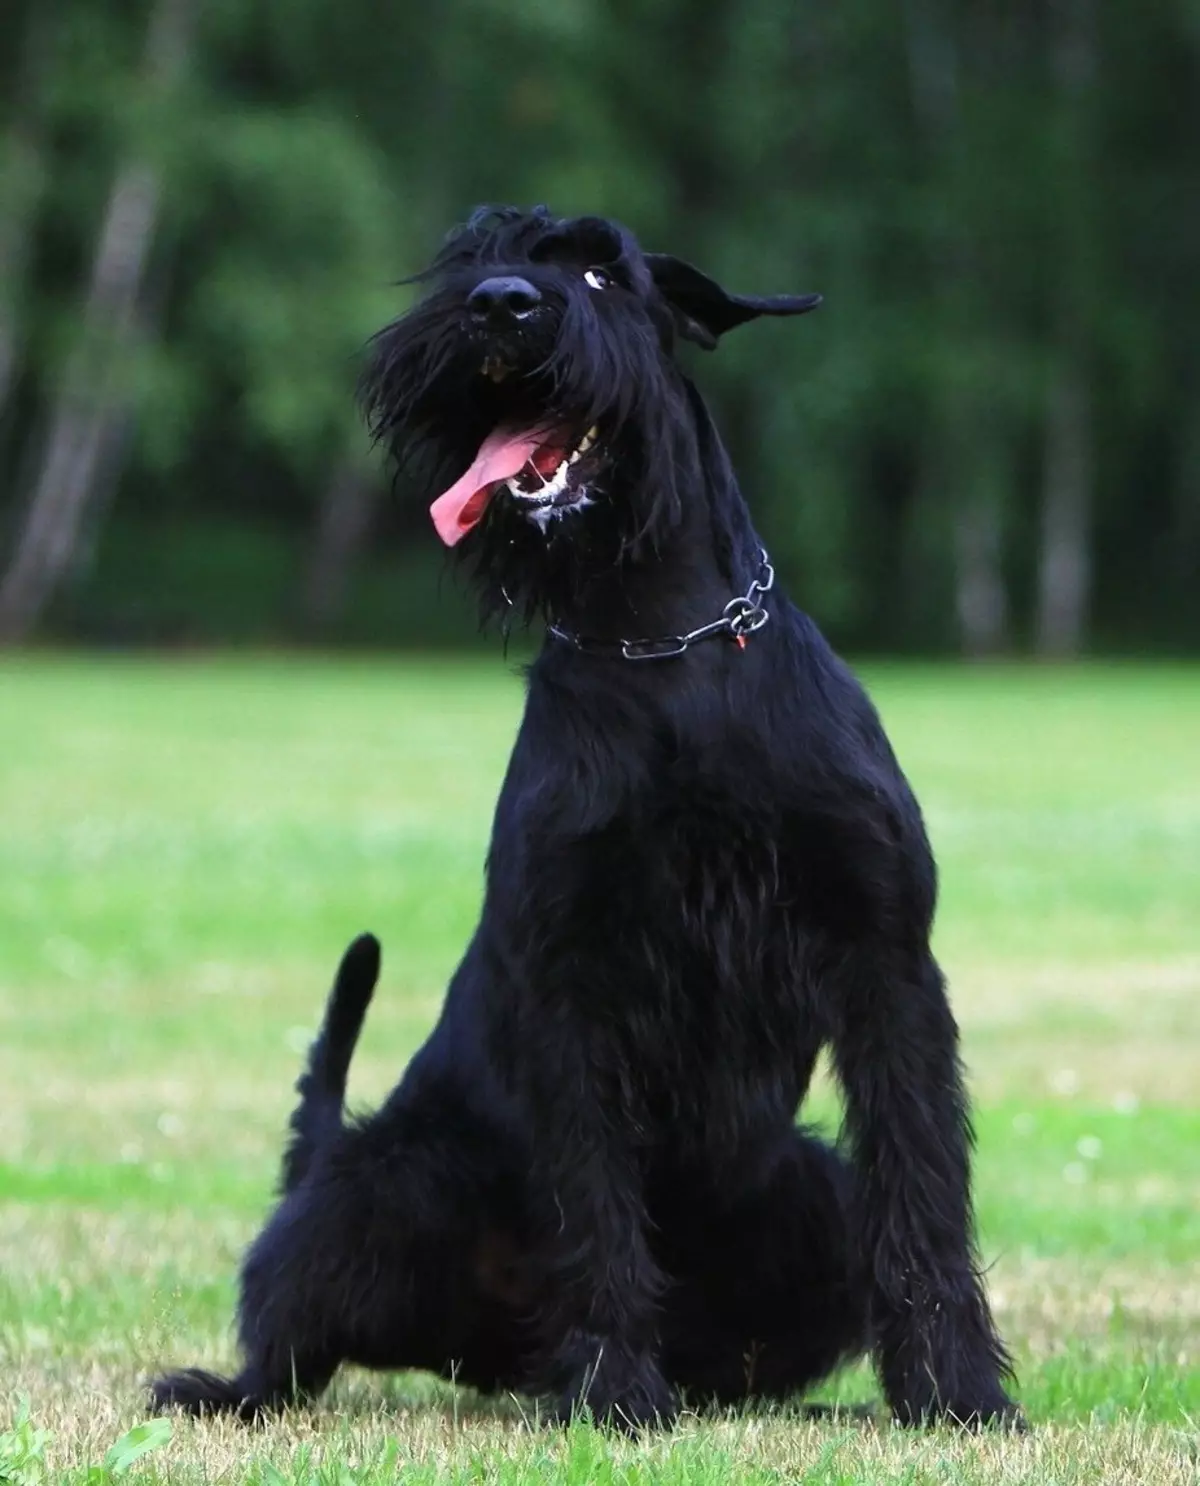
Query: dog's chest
x,y
705,1007
660,892
670,922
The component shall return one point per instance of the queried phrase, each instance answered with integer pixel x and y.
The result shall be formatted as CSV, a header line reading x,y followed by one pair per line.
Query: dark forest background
x,y
988,440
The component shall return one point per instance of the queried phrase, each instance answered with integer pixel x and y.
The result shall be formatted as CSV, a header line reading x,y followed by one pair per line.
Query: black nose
x,y
503,298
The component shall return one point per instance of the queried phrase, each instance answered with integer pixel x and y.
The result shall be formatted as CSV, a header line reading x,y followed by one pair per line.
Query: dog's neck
x,y
708,556
673,598
682,586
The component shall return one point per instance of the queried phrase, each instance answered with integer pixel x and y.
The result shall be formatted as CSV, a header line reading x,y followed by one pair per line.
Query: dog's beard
x,y
548,455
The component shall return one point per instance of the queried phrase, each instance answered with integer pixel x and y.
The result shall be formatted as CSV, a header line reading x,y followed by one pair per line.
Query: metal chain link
x,y
740,617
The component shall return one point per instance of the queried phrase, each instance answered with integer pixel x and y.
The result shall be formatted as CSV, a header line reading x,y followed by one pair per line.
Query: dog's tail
x,y
322,1087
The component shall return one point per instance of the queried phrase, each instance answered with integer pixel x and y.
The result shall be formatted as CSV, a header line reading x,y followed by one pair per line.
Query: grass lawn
x,y
187,845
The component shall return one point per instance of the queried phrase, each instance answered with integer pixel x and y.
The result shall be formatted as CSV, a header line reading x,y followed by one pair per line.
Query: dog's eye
x,y
596,278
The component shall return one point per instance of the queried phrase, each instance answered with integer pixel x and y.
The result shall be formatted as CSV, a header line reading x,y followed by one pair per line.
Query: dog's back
x,y
322,1087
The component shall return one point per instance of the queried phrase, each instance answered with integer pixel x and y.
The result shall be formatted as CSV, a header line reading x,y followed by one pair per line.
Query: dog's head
x,y
534,397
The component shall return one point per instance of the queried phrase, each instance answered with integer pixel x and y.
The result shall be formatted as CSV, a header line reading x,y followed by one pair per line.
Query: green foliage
x,y
992,198
23,1450
133,1444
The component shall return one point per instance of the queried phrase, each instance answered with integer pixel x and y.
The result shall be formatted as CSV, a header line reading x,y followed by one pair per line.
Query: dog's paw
x,y
626,1393
995,1410
195,1391
945,1365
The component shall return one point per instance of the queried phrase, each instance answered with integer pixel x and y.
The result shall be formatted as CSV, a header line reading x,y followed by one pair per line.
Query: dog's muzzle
x,y
502,299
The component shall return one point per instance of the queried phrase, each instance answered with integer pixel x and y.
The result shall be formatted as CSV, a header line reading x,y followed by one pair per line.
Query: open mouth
x,y
541,471
561,488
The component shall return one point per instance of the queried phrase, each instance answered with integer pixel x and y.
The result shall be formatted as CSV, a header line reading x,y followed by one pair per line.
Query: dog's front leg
x,y
896,1046
599,1315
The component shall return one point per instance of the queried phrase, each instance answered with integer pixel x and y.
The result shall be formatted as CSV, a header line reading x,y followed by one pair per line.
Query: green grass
x,y
187,844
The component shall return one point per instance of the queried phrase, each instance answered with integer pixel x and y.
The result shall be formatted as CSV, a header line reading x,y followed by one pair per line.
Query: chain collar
x,y
740,617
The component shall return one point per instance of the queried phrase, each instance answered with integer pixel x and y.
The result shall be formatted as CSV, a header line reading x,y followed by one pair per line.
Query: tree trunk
x,y
1065,565
981,598
21,170
1064,577
970,457
85,421
348,507
18,212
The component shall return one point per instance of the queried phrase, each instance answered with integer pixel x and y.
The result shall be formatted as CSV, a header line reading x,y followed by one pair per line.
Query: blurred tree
x,y
343,525
987,439
85,421
1065,559
22,174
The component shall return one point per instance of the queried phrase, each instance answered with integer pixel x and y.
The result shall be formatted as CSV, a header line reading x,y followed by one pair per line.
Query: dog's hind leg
x,y
288,1321
895,1044
290,1354
390,1253
763,1301
399,1238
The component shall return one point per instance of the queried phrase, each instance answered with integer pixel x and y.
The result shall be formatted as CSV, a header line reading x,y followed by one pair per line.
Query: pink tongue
x,y
504,453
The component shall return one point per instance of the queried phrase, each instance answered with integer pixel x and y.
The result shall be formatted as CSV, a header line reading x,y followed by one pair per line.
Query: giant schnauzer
x,y
705,865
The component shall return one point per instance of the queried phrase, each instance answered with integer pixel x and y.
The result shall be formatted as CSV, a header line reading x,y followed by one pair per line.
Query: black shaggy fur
x,y
589,1181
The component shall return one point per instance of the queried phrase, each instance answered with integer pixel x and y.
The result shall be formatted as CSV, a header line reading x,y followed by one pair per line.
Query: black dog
x,y
705,865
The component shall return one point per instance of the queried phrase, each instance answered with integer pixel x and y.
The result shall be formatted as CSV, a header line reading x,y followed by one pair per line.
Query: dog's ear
x,y
704,311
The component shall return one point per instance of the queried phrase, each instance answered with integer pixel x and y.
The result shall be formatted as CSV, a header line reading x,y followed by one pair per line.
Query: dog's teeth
x,y
585,443
552,486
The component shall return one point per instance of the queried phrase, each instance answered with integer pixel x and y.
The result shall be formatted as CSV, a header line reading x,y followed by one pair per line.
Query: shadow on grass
x,y
401,1395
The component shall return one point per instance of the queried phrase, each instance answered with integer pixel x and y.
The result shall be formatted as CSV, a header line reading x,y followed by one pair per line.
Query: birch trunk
x,y
85,421
347,510
981,597
1065,558
968,457
1064,573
